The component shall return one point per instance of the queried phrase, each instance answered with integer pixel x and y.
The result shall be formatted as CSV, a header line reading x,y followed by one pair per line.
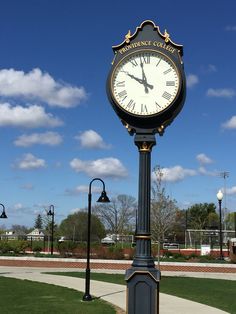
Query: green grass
x,y
213,292
23,296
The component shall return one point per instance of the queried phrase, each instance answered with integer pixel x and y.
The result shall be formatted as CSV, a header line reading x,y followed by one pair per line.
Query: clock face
x,y
145,83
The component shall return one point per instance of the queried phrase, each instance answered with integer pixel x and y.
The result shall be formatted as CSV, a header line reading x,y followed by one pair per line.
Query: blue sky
x,y
58,130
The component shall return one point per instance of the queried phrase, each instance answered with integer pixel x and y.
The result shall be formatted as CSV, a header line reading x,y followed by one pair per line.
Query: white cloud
x,y
221,92
29,161
82,189
28,117
47,138
230,124
36,85
91,139
192,80
176,173
203,159
106,167
203,171
231,191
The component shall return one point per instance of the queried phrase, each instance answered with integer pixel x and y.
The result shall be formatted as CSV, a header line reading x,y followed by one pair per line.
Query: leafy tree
x,y
202,216
179,225
119,215
38,222
163,209
74,227
231,221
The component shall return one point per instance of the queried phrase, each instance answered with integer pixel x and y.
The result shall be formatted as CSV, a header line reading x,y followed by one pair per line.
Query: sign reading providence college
x,y
146,88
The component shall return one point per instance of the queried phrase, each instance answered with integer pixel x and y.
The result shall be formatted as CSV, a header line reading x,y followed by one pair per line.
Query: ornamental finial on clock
x,y
167,36
127,37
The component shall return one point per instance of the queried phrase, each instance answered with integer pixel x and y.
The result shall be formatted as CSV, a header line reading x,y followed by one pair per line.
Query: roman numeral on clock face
x,y
170,83
167,71
166,95
123,94
131,105
120,84
144,108
145,58
134,62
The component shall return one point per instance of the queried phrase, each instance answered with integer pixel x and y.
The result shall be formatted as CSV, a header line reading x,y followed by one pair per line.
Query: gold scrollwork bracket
x,y
146,147
145,142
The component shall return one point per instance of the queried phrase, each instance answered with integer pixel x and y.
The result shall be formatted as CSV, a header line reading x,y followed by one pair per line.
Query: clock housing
x,y
146,84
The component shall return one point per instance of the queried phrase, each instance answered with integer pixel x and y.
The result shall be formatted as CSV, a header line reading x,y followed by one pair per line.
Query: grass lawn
x,y
214,292
23,296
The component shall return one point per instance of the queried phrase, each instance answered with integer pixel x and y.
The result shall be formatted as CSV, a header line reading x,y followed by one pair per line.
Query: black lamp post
x,y
220,197
102,199
51,213
3,214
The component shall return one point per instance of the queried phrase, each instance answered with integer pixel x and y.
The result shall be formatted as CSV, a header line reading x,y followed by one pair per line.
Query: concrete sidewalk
x,y
112,293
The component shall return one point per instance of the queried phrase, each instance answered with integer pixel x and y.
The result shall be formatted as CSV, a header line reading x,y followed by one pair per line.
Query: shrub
x,y
4,247
114,253
18,246
167,254
192,256
37,248
67,248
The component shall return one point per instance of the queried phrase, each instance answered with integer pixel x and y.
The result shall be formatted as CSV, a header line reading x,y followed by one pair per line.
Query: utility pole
x,y
224,175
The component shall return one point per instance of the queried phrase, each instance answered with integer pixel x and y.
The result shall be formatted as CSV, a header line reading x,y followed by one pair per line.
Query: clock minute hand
x,y
135,78
145,83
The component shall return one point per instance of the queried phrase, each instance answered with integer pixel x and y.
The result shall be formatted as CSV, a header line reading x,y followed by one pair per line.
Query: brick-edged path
x,y
113,264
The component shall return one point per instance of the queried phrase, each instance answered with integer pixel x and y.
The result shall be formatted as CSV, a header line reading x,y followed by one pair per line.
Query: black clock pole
x,y
143,278
152,53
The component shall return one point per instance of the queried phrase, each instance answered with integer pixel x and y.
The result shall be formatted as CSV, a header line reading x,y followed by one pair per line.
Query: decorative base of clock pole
x,y
143,278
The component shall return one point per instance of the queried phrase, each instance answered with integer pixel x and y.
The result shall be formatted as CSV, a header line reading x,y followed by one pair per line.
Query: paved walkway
x,y
115,294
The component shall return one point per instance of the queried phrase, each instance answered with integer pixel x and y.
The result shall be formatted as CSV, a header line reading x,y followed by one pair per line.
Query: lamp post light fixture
x,y
102,199
3,214
220,197
51,213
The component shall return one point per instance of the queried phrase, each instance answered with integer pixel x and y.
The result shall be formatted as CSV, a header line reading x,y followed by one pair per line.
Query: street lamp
x,y
102,199
3,214
220,197
51,213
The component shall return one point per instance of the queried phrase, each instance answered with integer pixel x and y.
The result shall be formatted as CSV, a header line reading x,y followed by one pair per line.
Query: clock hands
x,y
144,78
142,81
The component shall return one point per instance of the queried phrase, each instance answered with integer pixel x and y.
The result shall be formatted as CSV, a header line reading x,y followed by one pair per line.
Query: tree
x,y
231,221
21,229
163,209
74,227
47,226
38,222
202,216
179,225
118,216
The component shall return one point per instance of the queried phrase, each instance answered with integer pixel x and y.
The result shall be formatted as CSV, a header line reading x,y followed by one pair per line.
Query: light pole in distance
x,y
3,214
220,197
102,199
50,212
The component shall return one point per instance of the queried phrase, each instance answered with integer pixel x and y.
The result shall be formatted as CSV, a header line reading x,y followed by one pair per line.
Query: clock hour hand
x,y
141,81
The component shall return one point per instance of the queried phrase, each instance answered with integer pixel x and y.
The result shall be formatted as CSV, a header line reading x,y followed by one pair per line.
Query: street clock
x,y
146,83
